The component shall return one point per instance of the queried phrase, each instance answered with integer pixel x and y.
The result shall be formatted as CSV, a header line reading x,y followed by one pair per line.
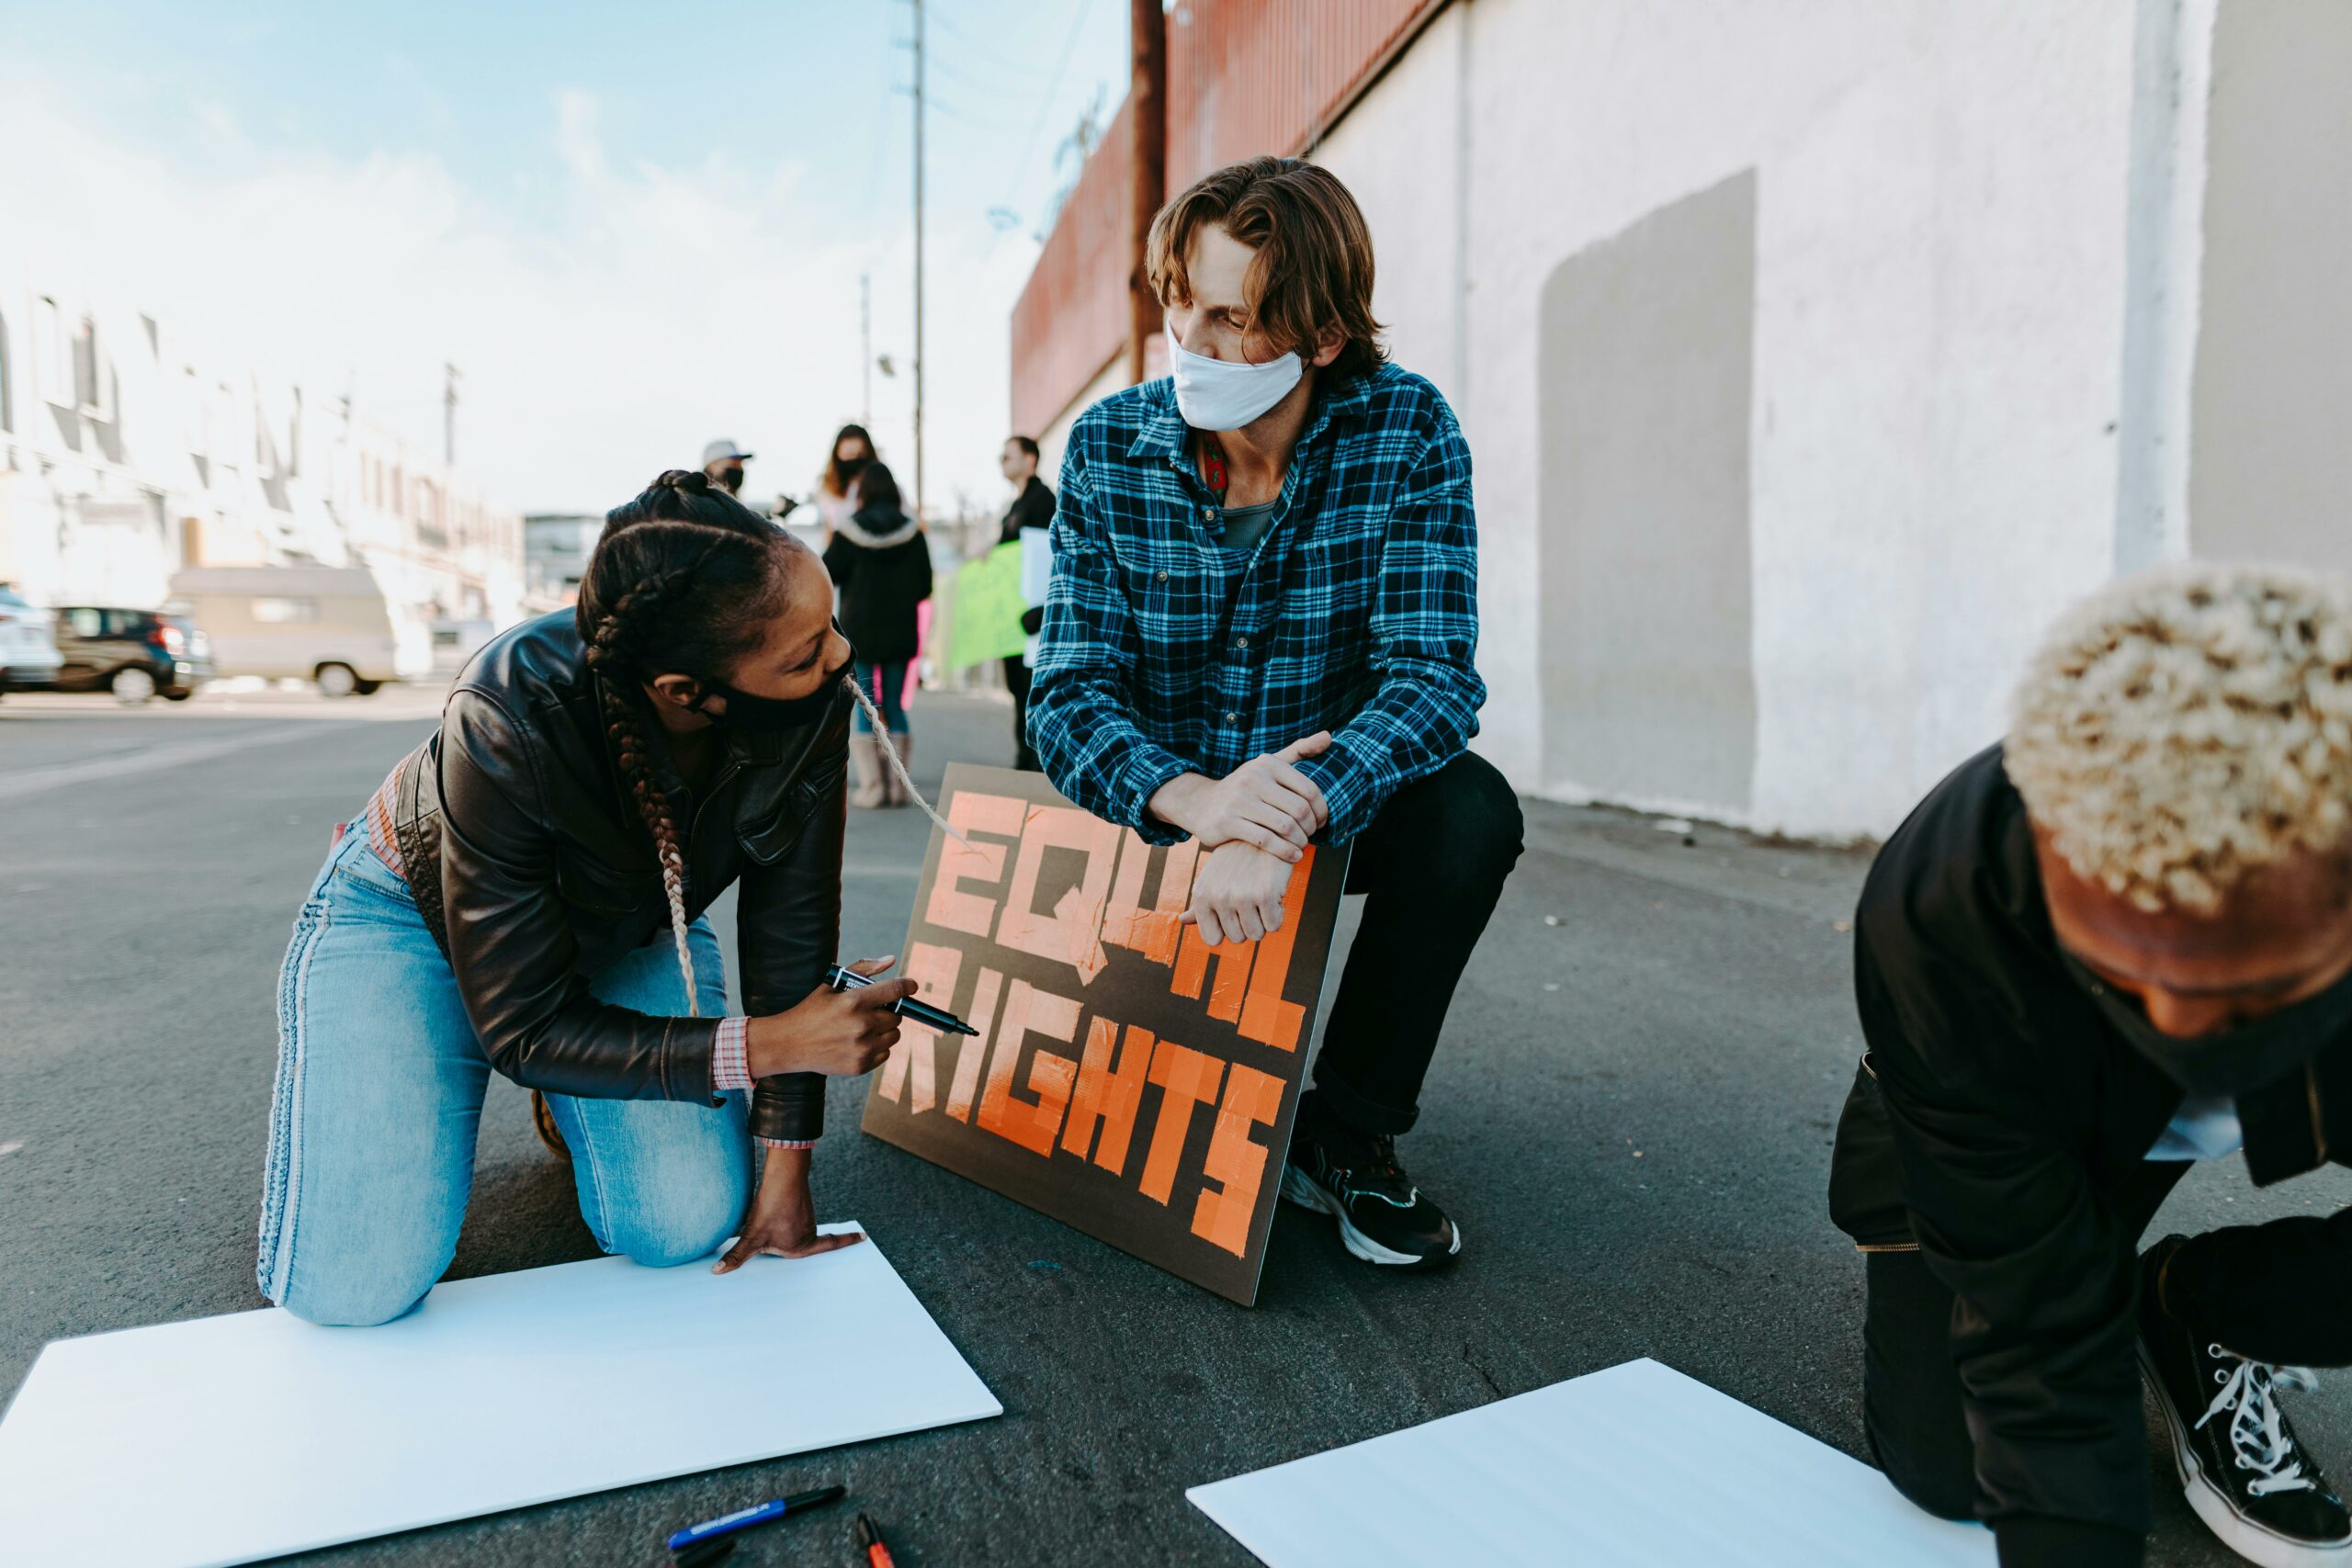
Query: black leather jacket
x,y
1994,1113
546,874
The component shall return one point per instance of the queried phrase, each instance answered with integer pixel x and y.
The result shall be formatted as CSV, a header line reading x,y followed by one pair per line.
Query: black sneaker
x,y
2243,1470
1355,1177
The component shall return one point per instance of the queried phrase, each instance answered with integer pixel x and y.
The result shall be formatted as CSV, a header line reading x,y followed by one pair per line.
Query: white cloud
x,y
605,335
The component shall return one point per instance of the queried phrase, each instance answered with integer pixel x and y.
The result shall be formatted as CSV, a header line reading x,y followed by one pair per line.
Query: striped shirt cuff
x,y
730,1069
730,1066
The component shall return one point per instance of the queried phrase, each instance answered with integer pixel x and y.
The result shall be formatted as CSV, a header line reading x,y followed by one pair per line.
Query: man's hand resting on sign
x,y
1237,893
782,1220
1266,802
839,1033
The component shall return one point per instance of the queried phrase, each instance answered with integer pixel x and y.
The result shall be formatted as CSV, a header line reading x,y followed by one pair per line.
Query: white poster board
x,y
1635,1467
229,1439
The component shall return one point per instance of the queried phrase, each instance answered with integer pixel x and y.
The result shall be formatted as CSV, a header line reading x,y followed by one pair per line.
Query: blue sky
x,y
643,223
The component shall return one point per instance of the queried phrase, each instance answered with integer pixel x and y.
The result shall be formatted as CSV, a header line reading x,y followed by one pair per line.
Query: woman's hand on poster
x,y
1237,893
782,1220
1266,802
842,1034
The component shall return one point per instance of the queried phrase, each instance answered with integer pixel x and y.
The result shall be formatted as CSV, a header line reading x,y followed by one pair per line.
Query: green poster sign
x,y
985,620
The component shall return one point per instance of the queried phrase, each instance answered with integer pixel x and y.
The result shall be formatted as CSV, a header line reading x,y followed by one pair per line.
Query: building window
x,y
85,365
52,354
282,612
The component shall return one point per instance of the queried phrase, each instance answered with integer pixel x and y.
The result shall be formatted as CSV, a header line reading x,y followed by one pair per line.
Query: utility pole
x,y
917,47
1147,108
449,415
919,512
865,348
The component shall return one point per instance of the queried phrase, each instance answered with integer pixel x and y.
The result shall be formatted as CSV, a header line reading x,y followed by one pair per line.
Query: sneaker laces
x,y
1381,1177
2263,1443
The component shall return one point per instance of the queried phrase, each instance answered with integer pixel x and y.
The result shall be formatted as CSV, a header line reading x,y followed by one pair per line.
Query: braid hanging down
x,y
608,653
890,755
683,578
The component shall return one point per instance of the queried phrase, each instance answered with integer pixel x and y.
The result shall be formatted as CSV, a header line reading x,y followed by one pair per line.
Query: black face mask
x,y
770,715
731,477
2242,1057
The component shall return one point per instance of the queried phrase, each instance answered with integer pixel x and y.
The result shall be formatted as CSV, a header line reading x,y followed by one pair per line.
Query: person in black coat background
x,y
880,559
1032,507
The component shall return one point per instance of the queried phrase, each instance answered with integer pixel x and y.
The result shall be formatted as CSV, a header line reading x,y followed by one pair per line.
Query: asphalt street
x,y
1631,1117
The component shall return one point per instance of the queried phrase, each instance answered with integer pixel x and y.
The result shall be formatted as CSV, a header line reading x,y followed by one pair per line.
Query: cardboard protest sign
x,y
1128,1079
988,605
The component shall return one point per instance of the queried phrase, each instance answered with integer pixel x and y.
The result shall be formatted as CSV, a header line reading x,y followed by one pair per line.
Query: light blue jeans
x,y
379,1090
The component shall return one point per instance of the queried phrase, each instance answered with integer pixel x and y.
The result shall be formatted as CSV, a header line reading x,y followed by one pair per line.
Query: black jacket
x,y
1995,1110
1033,508
880,587
547,875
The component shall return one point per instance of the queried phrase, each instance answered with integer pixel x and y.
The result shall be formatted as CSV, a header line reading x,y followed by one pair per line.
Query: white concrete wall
x,y
1940,278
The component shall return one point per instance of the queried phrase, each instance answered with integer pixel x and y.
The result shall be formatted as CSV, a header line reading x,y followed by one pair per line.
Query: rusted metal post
x,y
1147,120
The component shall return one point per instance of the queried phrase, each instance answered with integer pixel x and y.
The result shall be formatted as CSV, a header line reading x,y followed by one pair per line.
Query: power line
x,y
1045,103
972,46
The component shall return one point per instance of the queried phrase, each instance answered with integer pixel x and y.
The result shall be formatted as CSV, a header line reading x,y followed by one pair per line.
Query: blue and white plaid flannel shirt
x,y
1358,611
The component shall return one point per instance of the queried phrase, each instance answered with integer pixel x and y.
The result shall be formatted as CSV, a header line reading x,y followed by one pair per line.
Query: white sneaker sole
x,y
1300,1189
2240,1534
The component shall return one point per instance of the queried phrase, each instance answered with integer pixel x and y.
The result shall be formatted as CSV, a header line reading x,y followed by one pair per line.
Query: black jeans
x,y
1016,681
2278,1293
1432,864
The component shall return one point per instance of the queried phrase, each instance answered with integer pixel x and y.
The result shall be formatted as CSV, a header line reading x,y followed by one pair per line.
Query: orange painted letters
x,y
1028,1010
1105,1096
1072,933
1186,1078
1236,1162
972,1048
972,812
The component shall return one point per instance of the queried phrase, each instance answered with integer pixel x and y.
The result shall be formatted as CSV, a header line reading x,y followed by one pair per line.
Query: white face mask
x,y
1221,394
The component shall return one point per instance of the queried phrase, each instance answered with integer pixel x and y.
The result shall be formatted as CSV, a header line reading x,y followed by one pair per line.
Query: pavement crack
x,y
1484,1375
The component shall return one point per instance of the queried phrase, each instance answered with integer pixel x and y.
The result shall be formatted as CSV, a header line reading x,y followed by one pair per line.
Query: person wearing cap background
x,y
723,461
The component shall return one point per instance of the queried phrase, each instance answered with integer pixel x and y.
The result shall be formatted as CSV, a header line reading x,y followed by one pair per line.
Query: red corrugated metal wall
x,y
1244,77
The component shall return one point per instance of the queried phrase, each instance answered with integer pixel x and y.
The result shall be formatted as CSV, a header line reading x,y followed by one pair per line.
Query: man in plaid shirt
x,y
1260,631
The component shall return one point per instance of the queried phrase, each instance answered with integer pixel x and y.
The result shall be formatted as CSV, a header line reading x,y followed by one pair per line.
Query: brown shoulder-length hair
x,y
1312,273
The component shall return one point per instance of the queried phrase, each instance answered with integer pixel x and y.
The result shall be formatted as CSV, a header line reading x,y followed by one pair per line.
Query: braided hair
x,y
683,577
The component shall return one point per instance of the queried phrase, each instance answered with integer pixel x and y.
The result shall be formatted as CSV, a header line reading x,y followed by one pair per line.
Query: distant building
x,y
126,455
1811,356
555,553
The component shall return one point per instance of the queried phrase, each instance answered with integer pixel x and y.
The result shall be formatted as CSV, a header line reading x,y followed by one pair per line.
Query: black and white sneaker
x,y
2243,1470
1355,1177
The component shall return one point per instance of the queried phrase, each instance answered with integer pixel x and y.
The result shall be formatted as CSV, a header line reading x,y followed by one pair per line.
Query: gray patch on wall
x,y
1644,379
2270,424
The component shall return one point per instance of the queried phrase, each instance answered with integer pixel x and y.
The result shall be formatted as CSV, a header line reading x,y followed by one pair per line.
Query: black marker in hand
x,y
844,979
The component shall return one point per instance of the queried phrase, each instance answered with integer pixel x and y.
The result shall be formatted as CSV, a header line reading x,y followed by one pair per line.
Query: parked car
x,y
28,657
135,654
329,624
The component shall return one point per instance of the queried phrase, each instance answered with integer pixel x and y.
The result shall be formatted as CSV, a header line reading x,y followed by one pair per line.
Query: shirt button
x,y
1208,514
1233,719
1241,642
1160,577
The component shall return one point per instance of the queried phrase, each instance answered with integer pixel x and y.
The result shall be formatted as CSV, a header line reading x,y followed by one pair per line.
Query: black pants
x,y
1016,681
2278,1293
1432,864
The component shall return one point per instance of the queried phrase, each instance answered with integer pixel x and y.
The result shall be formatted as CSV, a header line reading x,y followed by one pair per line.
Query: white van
x,y
329,624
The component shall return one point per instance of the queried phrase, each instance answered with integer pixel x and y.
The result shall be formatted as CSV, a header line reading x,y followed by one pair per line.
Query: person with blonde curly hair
x,y
2116,944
